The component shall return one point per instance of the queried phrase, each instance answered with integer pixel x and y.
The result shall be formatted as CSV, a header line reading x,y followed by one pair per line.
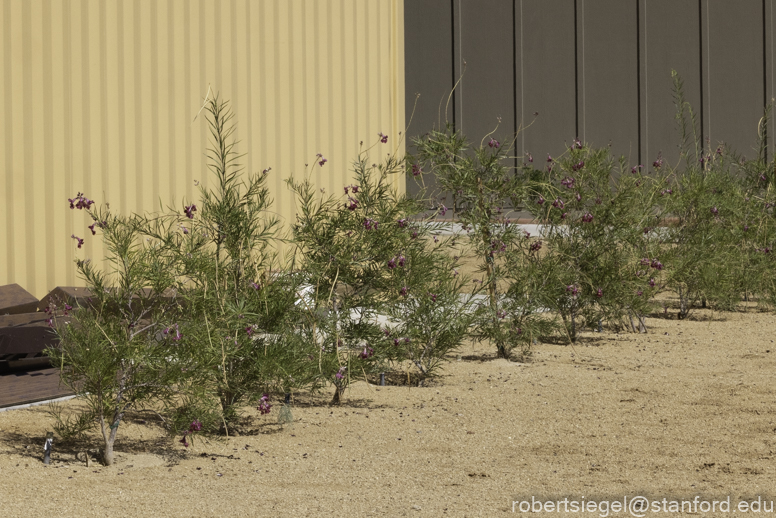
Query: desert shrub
x,y
601,262
113,354
237,299
719,207
483,187
365,263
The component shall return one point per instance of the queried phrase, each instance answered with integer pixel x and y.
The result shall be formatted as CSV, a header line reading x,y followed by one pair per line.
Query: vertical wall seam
x,y
248,84
121,122
646,88
701,67
154,51
104,177
453,65
576,70
172,101
49,211
638,81
86,122
28,166
8,99
765,83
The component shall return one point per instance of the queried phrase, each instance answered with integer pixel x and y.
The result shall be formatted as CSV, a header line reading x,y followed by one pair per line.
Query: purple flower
x,y
353,205
249,330
576,144
414,234
573,289
579,165
549,158
493,143
184,229
657,164
183,440
355,188
652,282
370,224
396,342
321,160
416,170
80,202
443,210
400,261
558,203
195,426
402,222
433,297
535,247
657,265
568,182
746,227
540,201
383,138
78,239
339,375
587,218
530,158
189,210
599,293
264,405
403,291
714,210
366,353
392,263
91,227
598,201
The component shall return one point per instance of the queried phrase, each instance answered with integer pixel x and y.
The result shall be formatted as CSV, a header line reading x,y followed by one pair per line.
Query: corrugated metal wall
x,y
99,95
599,70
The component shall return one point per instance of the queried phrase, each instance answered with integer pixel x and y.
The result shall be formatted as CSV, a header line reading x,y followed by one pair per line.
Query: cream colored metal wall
x,y
98,96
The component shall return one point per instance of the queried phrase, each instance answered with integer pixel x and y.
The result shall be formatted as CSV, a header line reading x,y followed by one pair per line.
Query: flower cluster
x,y
321,159
568,182
366,353
370,224
78,240
194,427
383,138
587,218
264,405
189,210
494,143
80,202
168,331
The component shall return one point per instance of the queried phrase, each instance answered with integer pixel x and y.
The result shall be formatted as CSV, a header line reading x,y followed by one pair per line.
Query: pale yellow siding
x,y
99,96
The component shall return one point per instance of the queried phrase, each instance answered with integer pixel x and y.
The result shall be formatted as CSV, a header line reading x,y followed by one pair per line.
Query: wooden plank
x,y
29,387
32,339
15,299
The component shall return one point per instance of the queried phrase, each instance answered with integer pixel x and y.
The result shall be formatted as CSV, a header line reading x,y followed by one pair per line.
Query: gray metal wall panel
x,y
734,91
428,65
608,66
486,35
544,64
670,36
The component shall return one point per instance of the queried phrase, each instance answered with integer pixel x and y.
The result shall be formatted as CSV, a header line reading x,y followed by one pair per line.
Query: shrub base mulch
x,y
688,409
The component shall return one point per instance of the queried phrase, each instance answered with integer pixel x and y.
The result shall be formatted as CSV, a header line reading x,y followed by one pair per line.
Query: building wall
x,y
100,96
599,70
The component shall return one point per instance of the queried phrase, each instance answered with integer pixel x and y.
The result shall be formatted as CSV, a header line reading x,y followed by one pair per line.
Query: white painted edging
x,y
36,403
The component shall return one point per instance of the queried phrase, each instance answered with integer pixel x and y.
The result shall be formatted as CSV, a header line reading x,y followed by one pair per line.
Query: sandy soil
x,y
685,410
